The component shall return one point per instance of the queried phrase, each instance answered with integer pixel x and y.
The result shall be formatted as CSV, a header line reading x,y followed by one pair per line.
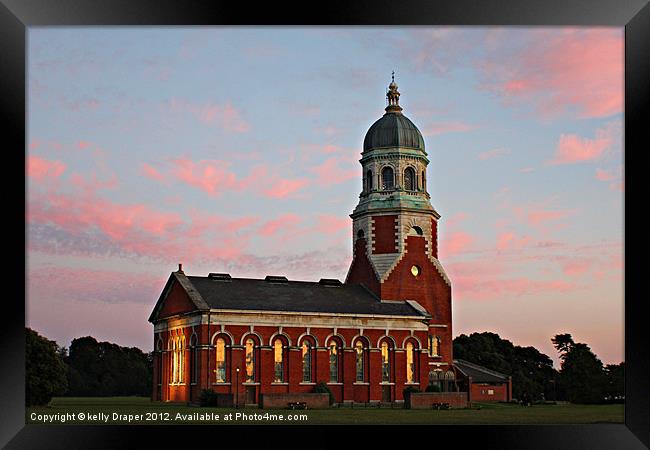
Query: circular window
x,y
415,270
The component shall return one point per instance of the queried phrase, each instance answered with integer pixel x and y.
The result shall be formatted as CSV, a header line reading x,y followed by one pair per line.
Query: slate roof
x,y
478,373
296,296
393,129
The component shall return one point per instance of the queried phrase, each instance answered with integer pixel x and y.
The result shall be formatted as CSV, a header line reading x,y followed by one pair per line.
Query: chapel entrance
x,y
250,395
385,394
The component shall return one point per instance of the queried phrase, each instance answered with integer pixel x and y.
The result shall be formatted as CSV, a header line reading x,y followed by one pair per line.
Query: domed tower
x,y
395,226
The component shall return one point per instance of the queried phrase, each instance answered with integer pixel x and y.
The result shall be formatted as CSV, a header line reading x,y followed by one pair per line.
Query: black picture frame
x,y
634,15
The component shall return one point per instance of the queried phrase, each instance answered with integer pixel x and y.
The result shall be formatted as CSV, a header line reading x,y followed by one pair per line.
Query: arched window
x,y
434,345
360,234
181,359
416,230
385,362
160,364
409,179
220,370
359,359
306,361
278,361
193,359
424,185
410,363
387,178
450,380
369,181
334,361
250,360
174,362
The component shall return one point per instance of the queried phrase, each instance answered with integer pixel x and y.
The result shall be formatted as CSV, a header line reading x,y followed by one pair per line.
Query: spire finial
x,y
393,96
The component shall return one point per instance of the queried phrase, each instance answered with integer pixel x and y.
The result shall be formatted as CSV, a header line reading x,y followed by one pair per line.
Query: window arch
x,y
249,360
369,181
361,359
307,353
334,352
279,350
360,234
411,362
387,178
220,360
386,357
409,179
193,359
434,345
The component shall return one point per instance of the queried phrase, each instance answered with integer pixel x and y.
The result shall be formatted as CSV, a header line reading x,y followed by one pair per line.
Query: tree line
x,y
99,369
87,369
582,377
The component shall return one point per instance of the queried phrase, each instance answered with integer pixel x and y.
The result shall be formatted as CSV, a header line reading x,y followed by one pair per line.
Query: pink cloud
x,y
284,187
572,148
495,153
282,223
446,127
150,172
330,224
455,243
211,176
575,267
509,240
331,172
603,175
226,115
535,215
40,169
558,70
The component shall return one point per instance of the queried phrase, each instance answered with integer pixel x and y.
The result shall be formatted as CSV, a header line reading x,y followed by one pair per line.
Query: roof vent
x,y
330,282
219,276
276,279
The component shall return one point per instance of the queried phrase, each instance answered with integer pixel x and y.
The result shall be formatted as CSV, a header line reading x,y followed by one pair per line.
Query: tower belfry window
x,y
409,179
387,178
369,181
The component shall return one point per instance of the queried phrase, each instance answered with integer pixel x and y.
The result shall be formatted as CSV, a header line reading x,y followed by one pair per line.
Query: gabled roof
x,y
287,296
192,293
478,373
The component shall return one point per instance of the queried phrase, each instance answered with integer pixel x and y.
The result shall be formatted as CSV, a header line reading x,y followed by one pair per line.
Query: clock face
x,y
415,270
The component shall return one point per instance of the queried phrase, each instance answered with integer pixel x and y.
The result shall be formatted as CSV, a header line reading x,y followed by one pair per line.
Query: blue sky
x,y
236,149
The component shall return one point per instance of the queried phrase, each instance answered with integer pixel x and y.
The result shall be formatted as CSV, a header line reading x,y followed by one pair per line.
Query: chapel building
x,y
387,327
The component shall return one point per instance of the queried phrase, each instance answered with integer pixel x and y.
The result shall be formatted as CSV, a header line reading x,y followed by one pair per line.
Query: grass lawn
x,y
144,411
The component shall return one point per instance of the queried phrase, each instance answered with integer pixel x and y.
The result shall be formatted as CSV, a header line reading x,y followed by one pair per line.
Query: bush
x,y
433,388
322,388
208,398
407,395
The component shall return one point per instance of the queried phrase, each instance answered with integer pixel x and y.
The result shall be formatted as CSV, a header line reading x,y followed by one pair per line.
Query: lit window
x,y
387,178
277,359
306,362
410,364
193,360
181,358
490,391
174,362
409,179
359,361
434,345
385,362
334,363
221,361
250,360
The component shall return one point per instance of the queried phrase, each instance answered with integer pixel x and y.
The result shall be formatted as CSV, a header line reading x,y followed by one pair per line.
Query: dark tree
x,y
45,372
615,374
531,370
582,376
101,369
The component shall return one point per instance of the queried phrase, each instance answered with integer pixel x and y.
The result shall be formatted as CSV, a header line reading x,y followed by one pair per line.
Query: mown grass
x,y
481,413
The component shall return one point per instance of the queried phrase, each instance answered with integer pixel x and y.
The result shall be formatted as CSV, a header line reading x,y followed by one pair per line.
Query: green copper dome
x,y
394,129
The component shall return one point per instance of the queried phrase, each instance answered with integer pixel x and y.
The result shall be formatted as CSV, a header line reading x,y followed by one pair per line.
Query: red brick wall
x,y
280,401
361,270
176,302
429,289
384,234
425,400
434,238
347,390
480,392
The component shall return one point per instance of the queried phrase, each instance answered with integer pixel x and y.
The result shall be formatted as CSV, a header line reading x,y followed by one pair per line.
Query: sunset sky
x,y
236,150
